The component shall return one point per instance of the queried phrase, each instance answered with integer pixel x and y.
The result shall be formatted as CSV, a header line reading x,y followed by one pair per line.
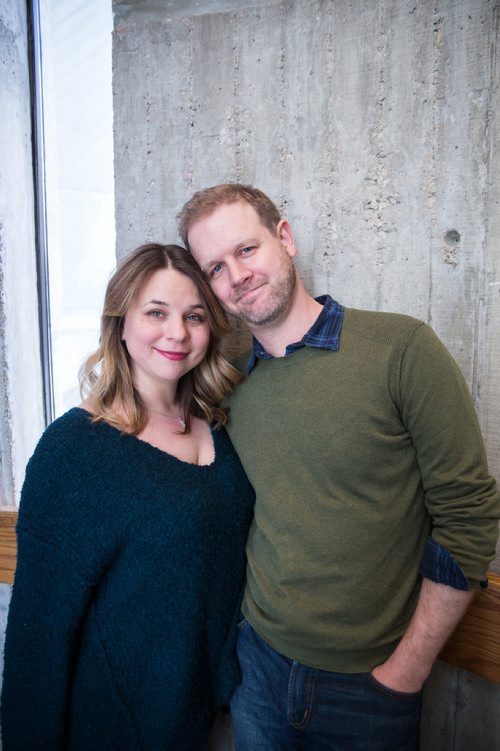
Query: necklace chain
x,y
177,418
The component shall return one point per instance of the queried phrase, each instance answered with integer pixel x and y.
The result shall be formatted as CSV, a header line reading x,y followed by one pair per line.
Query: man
x,y
375,517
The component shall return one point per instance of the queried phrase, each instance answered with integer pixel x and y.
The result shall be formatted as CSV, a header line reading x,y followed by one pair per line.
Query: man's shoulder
x,y
381,318
386,326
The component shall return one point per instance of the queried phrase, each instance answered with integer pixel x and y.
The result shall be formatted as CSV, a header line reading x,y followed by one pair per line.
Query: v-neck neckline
x,y
146,445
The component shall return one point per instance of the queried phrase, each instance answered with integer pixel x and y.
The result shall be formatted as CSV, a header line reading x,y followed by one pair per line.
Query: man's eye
x,y
247,250
217,268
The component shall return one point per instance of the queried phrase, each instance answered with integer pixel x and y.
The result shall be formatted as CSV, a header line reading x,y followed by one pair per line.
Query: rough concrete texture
x,y
20,393
460,711
182,8
375,126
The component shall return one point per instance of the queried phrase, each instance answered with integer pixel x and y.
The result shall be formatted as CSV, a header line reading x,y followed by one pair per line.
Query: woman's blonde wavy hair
x,y
106,377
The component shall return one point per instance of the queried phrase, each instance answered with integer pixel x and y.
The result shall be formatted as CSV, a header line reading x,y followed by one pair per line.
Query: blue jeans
x,y
282,705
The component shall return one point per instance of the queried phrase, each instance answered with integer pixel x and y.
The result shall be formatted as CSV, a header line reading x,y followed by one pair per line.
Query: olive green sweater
x,y
357,456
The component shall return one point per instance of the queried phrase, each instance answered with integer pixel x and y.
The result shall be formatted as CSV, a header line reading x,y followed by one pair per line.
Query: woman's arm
x,y
48,601
50,598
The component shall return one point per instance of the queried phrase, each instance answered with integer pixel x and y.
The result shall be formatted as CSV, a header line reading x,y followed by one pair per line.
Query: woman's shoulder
x,y
73,425
68,473
75,419
71,440
49,471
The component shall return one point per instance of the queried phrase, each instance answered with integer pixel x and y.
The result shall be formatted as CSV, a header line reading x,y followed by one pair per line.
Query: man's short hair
x,y
205,202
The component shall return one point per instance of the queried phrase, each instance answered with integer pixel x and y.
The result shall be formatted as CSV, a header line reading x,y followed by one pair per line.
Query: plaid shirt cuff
x,y
439,566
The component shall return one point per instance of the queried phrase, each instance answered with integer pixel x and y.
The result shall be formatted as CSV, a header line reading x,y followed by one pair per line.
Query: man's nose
x,y
240,273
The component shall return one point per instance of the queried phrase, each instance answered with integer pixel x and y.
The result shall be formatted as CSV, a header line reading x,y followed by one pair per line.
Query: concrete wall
x,y
375,126
20,380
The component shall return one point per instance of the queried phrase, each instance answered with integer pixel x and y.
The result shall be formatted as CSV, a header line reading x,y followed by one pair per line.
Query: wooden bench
x,y
474,646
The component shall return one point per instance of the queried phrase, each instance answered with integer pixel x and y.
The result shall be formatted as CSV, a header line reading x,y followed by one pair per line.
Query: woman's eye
x,y
195,317
155,313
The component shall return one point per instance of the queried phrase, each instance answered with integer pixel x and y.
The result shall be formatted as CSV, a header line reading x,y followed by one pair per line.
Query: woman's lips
x,y
172,355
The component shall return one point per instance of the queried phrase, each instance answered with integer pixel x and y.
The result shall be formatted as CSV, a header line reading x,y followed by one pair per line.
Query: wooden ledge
x,y
475,643
8,546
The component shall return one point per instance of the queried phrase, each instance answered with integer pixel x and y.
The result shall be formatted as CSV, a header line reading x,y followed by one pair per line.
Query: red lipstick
x,y
175,356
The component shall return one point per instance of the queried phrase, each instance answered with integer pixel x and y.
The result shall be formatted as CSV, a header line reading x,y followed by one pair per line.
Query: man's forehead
x,y
225,220
234,207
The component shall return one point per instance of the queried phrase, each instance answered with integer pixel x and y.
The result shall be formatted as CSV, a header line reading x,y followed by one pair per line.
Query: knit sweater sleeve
x,y
49,599
460,495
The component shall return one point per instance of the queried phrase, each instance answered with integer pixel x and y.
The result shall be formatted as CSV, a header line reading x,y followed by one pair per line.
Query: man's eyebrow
x,y
246,242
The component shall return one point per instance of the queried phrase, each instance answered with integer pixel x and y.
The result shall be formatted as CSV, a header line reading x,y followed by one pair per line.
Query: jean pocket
x,y
242,622
392,693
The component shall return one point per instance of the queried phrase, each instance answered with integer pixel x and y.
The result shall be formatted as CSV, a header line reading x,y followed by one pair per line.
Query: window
x,y
74,185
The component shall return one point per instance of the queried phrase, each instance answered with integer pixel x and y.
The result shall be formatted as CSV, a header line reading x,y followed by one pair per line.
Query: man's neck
x,y
291,327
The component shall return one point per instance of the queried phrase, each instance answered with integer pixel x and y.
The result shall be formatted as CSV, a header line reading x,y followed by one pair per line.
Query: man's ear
x,y
285,235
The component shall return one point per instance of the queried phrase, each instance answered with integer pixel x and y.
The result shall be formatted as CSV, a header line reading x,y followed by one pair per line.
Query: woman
x,y
131,533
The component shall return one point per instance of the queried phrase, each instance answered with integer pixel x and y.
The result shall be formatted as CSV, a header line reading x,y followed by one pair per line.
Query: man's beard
x,y
281,293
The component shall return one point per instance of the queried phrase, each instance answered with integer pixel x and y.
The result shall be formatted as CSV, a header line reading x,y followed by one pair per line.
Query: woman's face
x,y
166,331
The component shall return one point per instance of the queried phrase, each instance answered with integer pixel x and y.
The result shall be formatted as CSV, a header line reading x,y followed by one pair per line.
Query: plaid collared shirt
x,y
324,333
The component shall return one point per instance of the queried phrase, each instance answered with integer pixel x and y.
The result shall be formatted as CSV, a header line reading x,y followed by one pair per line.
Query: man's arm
x,y
438,611
460,496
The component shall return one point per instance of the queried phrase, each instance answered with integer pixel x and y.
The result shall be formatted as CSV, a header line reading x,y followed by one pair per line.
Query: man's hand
x,y
438,611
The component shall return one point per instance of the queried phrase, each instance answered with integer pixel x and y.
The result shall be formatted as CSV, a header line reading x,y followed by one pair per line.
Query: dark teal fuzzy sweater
x,y
130,568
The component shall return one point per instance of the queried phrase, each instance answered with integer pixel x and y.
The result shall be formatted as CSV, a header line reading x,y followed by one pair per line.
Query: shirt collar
x,y
324,333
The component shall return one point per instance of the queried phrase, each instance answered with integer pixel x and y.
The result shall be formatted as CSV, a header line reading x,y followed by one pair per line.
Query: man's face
x,y
250,269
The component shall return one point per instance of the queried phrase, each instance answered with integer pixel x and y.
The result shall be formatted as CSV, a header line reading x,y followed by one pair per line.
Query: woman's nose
x,y
175,328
